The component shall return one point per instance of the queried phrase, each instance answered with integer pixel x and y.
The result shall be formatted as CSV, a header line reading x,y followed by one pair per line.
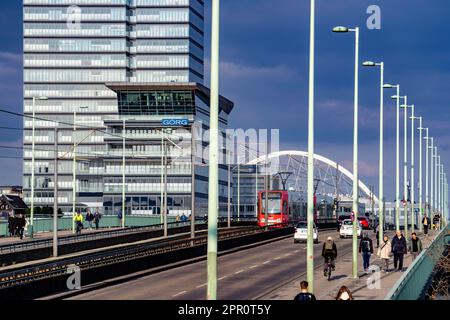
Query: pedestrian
x,y
366,249
426,224
89,218
384,253
304,295
177,218
329,252
97,217
399,248
11,225
377,234
20,225
78,222
415,246
344,293
119,216
437,219
183,218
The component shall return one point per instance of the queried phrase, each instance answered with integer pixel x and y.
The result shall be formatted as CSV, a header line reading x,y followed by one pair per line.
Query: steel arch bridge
x,y
329,176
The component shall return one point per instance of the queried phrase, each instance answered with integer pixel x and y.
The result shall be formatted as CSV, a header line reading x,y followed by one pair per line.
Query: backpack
x,y
366,246
329,246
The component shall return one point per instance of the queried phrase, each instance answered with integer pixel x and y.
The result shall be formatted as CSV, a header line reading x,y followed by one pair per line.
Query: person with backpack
x,y
384,252
399,248
329,252
415,246
304,295
366,249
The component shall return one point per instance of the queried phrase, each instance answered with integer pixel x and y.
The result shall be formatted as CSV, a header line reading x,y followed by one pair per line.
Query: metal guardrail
x,y
413,283
90,261
70,239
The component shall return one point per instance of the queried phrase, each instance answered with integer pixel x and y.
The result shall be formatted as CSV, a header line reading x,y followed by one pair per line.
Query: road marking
x,y
296,251
202,285
222,278
240,271
277,258
253,267
179,294
305,248
288,254
266,262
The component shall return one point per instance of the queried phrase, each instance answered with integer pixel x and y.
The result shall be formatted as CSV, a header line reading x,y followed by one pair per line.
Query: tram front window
x,y
274,203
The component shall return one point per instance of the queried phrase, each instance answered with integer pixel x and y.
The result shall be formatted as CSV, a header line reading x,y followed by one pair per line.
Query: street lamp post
x,y
413,117
381,157
405,167
30,227
435,178
213,201
420,173
74,169
427,170
123,173
431,176
355,150
55,197
397,155
310,177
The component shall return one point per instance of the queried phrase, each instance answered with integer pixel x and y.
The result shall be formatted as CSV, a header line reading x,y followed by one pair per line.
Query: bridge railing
x,y
414,282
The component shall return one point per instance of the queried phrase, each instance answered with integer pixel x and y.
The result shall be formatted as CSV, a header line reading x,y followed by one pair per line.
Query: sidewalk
x,y
327,290
48,235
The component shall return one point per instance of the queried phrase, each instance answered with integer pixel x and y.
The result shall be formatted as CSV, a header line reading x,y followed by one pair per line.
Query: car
x,y
301,233
364,222
346,229
340,219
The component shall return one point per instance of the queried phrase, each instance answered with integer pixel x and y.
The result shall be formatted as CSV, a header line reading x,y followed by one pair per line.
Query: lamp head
x,y
369,64
340,29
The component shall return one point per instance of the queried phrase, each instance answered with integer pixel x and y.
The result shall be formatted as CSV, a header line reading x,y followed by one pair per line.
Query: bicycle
x,y
329,268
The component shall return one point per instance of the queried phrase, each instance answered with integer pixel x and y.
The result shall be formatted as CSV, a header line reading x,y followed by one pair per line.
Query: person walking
x,y
304,295
78,222
426,224
399,248
329,252
366,249
97,217
384,252
183,218
11,225
20,225
415,246
344,293
177,218
89,218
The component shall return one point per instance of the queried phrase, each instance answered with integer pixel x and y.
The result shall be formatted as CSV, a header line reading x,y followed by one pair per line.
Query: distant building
x,y
12,190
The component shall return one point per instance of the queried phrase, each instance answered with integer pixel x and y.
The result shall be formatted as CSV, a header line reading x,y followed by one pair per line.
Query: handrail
x,y
62,240
413,282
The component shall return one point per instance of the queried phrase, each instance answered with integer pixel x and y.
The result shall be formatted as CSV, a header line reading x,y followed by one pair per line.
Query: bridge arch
x,y
318,158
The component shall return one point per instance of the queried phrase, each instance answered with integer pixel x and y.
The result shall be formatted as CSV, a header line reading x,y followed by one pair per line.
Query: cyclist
x,y
78,222
329,252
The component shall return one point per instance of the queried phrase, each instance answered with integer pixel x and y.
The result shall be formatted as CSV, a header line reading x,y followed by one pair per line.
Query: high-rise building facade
x,y
72,48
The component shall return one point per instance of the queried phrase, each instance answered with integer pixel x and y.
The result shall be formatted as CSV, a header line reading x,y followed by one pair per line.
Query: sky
x,y
264,56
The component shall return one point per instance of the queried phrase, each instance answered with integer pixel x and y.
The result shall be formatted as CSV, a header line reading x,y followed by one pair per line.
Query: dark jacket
x,y
302,296
20,222
89,216
369,248
399,245
428,221
419,245
329,253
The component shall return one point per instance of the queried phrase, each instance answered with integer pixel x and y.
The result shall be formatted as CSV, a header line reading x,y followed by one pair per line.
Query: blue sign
x,y
175,122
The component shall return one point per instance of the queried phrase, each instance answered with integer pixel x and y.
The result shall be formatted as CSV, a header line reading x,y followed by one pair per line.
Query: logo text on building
x,y
175,122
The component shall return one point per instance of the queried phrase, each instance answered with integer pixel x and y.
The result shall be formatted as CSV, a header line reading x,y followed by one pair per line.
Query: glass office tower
x,y
71,49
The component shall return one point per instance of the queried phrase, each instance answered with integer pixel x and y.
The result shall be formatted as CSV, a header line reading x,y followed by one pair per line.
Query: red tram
x,y
278,208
